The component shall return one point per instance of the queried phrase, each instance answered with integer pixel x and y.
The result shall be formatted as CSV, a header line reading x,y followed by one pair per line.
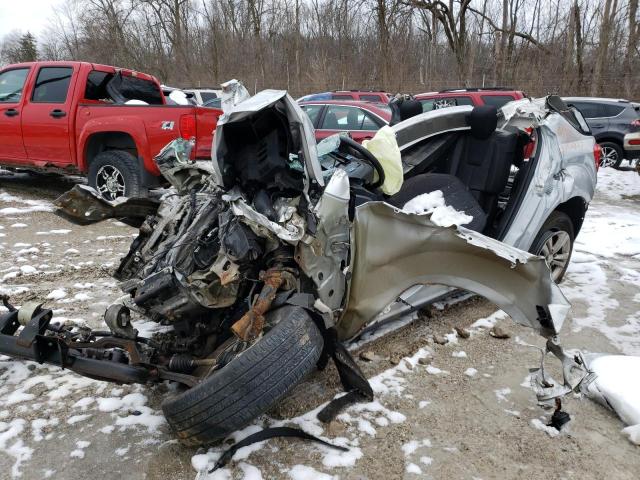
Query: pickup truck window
x,y
11,83
52,85
96,83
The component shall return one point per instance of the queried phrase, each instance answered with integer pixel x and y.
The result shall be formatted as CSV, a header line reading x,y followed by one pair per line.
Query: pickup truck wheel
x,y
250,383
554,242
611,155
114,174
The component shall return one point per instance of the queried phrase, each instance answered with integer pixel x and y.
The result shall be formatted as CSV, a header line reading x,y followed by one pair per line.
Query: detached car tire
x,y
554,242
251,383
116,173
612,154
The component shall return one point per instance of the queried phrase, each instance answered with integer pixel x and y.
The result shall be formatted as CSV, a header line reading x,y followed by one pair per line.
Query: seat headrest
x,y
410,108
483,121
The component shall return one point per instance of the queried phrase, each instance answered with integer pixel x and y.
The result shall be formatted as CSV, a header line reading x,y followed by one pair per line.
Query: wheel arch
x,y
99,142
611,139
575,208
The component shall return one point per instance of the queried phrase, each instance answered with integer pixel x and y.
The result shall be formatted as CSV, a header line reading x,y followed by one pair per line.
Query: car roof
x,y
596,100
380,109
468,92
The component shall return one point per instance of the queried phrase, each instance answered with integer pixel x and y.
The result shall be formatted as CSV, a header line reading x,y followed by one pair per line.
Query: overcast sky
x,y
25,15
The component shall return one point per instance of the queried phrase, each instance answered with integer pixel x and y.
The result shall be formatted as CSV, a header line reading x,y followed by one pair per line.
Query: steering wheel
x,y
368,156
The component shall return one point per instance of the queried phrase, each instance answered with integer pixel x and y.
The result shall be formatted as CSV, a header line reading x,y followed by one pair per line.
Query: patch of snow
x,y
413,468
413,445
57,294
552,432
423,403
617,384
490,321
502,393
304,472
426,460
441,214
459,354
16,449
470,372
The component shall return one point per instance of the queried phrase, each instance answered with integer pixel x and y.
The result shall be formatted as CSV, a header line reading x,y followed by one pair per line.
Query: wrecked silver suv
x,y
261,262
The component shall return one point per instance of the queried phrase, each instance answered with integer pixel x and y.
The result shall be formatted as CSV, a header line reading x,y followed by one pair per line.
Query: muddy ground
x,y
452,415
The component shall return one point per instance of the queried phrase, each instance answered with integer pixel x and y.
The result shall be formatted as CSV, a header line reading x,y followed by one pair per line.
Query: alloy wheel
x,y
110,182
556,251
609,157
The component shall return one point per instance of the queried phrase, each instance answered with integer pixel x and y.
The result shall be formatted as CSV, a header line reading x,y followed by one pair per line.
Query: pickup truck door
x,y
47,116
12,84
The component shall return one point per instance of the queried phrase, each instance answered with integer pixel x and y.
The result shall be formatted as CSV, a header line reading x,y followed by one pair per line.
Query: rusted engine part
x,y
250,326
44,343
83,205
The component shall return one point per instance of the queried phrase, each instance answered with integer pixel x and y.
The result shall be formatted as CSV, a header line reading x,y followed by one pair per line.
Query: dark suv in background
x,y
610,120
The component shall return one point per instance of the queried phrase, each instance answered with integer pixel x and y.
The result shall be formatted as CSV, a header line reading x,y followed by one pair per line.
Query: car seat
x,y
352,120
330,122
478,170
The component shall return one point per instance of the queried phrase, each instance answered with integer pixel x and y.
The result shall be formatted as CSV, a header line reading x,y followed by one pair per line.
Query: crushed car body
x,y
263,260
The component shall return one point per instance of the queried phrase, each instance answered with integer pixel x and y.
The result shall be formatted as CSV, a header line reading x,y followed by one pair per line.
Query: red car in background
x,y
379,96
360,119
496,96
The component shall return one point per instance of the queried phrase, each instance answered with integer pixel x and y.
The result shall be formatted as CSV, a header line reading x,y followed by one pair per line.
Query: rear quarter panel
x,y
150,126
564,170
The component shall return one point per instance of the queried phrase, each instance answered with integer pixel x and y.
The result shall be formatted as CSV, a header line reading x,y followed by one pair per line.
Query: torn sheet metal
x,y
392,251
325,257
300,126
84,205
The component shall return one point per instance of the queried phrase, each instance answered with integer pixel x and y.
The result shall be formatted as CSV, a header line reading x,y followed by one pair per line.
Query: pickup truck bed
x,y
97,120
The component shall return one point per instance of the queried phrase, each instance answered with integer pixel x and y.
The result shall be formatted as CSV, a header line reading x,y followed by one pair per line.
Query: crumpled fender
x,y
393,250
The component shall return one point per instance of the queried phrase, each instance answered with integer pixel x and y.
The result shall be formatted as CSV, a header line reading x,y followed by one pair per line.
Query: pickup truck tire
x,y
612,154
116,173
554,242
251,383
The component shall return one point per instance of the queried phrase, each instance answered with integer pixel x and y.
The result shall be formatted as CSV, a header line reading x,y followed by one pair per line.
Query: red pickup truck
x,y
102,121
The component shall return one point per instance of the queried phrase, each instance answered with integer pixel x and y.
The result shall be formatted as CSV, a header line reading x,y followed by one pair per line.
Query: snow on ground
x,y
40,404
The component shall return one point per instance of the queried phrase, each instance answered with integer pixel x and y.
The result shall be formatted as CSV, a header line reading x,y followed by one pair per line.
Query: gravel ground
x,y
460,410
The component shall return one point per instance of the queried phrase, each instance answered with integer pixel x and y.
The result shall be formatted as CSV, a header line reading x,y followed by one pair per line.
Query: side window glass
x,y
588,110
11,84
96,85
52,85
341,97
371,98
369,123
312,112
611,110
342,118
427,105
497,100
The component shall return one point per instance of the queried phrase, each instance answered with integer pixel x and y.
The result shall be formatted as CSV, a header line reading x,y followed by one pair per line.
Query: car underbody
x,y
262,230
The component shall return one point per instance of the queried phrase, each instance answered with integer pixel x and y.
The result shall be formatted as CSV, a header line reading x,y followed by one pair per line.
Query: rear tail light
x,y
634,141
597,155
188,127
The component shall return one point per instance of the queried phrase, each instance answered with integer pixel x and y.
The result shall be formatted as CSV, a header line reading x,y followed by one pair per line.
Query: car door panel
x,y
12,84
47,118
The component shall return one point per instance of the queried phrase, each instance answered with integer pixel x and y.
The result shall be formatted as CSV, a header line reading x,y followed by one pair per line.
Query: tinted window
x,y
11,83
588,110
611,110
206,96
312,111
347,118
371,98
497,100
96,82
213,103
342,97
52,84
